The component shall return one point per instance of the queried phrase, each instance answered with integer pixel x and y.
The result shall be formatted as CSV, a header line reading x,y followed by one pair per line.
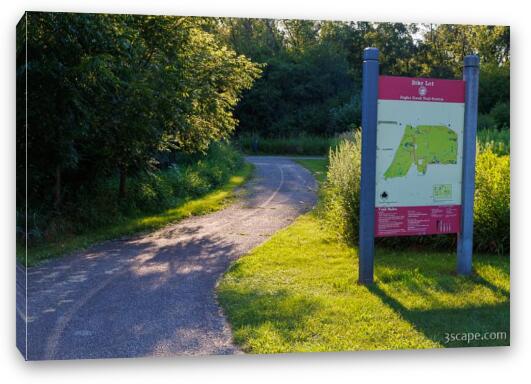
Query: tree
x,y
109,92
58,112
304,77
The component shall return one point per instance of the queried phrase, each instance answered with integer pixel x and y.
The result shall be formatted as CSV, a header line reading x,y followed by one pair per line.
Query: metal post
x,y
368,164
465,238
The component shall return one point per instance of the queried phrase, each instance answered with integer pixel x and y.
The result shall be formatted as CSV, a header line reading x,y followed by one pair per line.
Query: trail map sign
x,y
419,153
418,159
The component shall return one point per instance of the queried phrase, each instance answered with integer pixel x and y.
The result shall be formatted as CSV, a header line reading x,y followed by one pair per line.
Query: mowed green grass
x,y
298,292
316,166
212,201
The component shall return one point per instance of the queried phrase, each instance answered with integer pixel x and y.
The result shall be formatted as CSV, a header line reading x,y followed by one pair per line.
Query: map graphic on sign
x,y
423,145
419,151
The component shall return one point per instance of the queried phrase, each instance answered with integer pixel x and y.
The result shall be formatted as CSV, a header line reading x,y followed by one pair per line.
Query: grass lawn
x,y
298,292
212,201
316,166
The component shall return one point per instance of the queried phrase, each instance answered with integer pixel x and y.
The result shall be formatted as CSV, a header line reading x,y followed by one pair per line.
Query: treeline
x,y
311,80
113,97
109,95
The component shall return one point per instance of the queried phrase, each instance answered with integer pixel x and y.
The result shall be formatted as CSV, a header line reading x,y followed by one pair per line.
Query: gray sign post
x,y
465,238
369,111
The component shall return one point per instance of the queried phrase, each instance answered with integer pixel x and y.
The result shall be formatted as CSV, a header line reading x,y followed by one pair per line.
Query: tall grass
x,y
341,197
340,200
492,218
301,145
498,141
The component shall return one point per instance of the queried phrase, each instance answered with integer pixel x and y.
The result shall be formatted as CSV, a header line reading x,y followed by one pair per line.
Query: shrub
x,y
486,121
494,85
346,116
195,183
150,191
492,202
501,115
340,193
147,192
340,198
175,178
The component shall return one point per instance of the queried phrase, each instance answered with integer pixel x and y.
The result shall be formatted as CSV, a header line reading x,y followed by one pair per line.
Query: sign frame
x,y
420,125
368,165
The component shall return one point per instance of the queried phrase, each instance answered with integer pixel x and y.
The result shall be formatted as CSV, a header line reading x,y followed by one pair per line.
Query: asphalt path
x,y
154,294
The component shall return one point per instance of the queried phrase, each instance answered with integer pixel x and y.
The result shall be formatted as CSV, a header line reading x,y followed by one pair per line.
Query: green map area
x,y
423,145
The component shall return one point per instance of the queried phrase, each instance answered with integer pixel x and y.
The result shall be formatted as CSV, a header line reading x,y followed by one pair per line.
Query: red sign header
x,y
421,89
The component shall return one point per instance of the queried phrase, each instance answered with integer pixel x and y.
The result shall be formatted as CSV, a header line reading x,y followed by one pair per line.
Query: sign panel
x,y
419,154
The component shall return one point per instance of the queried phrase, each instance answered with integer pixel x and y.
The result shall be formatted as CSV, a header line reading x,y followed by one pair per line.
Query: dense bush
x,y
109,93
486,121
147,192
498,117
346,116
492,202
297,93
501,114
494,89
340,200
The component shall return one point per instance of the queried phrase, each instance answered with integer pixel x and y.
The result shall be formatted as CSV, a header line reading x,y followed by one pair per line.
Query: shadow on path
x,y
154,294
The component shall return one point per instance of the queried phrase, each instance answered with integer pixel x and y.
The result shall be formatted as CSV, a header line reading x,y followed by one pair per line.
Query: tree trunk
x,y
57,199
122,191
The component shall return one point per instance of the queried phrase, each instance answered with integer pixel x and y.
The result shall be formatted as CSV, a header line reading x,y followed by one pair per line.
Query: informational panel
x,y
419,153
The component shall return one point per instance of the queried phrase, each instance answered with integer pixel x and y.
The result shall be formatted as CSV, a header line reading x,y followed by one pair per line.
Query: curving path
x,y
153,294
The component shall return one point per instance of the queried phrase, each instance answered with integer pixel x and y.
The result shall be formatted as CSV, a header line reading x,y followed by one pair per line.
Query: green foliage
x,y
212,201
492,215
113,99
149,192
301,145
498,141
346,117
297,93
443,47
109,93
501,115
298,292
312,75
498,118
485,122
494,82
340,200
339,204
396,44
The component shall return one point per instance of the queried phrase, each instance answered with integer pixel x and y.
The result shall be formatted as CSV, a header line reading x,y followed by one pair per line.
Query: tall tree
x,y
109,92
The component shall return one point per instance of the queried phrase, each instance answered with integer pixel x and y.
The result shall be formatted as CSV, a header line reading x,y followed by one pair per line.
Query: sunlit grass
x,y
210,202
316,166
298,292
